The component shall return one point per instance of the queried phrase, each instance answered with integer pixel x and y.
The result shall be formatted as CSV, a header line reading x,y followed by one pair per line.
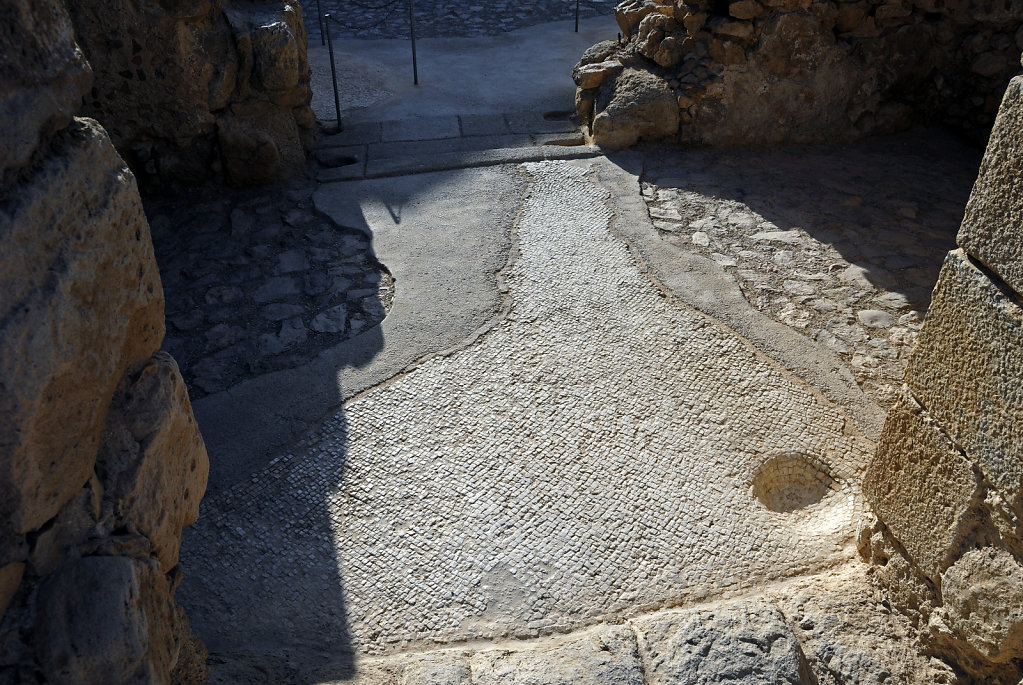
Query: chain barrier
x,y
324,21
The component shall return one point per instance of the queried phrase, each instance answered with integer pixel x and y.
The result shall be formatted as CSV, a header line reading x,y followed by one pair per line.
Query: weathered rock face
x,y
188,90
741,642
777,71
946,482
637,105
44,85
101,463
76,316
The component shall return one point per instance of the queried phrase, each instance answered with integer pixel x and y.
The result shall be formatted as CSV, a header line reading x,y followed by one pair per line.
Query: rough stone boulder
x,y
630,13
192,89
983,604
82,304
106,619
44,86
661,39
633,105
152,462
101,463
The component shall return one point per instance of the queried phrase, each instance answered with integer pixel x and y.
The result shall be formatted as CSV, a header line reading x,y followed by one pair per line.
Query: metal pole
x,y
319,18
412,30
577,16
333,72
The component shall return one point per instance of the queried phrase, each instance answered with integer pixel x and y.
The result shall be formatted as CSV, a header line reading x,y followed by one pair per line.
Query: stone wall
x,y
101,461
192,90
738,72
946,482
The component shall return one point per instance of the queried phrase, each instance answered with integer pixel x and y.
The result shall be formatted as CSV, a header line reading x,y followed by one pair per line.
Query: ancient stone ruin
x,y
487,397
720,72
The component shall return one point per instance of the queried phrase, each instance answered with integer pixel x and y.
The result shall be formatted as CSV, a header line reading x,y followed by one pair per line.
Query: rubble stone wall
x,y
946,482
737,72
101,461
199,89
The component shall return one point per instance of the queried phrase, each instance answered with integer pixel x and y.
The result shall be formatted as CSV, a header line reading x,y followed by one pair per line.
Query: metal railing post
x,y
412,30
319,20
333,72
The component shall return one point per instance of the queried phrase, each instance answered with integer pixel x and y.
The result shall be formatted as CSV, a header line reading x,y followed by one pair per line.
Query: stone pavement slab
x,y
420,128
439,18
483,124
527,70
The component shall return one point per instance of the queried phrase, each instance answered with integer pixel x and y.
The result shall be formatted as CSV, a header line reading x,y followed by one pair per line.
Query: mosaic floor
x,y
601,452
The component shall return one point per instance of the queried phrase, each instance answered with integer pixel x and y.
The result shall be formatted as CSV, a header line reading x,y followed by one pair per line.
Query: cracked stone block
x,y
920,486
967,371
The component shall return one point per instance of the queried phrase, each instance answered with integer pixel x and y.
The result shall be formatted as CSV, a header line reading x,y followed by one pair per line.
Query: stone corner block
x,y
992,228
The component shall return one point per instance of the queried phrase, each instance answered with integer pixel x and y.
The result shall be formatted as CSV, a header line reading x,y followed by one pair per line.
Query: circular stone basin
x,y
787,482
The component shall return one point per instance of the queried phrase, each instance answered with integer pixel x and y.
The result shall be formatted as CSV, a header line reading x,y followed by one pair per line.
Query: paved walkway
x,y
594,455
376,149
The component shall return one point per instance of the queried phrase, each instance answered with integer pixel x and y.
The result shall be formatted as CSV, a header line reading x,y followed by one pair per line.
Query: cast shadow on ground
x,y
890,206
263,588
245,583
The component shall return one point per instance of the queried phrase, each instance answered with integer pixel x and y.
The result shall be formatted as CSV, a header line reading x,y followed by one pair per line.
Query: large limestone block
x,y
608,656
920,487
634,104
967,371
257,148
154,65
992,229
82,303
743,642
106,620
983,603
152,461
43,76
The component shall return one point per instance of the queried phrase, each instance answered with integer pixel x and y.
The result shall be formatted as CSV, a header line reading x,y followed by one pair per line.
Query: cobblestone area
x,y
257,282
440,18
591,457
843,244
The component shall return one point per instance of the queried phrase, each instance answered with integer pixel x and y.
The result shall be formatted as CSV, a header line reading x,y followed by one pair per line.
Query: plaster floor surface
x,y
592,456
